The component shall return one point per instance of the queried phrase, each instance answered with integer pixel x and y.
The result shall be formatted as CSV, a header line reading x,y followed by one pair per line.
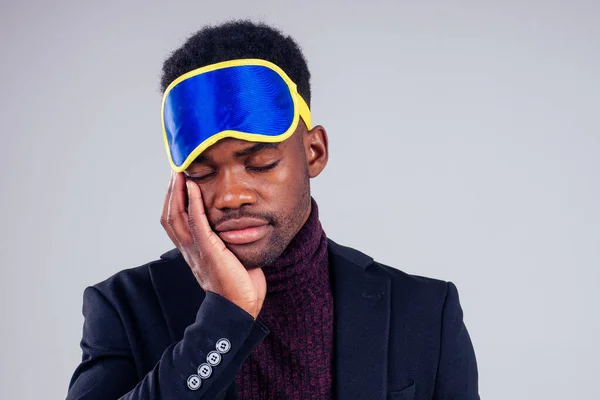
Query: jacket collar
x,y
362,321
361,315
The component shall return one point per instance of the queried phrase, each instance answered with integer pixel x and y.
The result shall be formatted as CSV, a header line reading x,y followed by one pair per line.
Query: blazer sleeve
x,y
108,372
457,376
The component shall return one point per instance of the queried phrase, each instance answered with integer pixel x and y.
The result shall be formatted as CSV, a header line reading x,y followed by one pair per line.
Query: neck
x,y
297,264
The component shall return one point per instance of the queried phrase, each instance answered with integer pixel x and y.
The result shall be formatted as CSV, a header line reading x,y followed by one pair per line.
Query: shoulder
x,y
419,291
416,289
135,282
418,282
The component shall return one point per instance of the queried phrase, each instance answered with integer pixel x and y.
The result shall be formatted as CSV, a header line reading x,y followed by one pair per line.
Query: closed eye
x,y
200,178
263,168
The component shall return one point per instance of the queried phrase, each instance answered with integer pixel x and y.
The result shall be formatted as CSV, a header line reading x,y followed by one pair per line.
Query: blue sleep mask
x,y
247,99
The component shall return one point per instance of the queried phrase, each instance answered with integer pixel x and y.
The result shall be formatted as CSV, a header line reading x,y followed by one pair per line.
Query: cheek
x,y
285,184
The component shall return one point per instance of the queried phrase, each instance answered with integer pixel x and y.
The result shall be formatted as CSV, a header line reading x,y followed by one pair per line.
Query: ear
x,y
316,148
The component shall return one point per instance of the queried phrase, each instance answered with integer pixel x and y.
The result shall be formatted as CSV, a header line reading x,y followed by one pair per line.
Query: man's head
x,y
245,184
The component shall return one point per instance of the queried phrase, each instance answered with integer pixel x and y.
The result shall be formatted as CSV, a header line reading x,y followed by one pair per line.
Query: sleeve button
x,y
223,346
204,370
194,382
213,358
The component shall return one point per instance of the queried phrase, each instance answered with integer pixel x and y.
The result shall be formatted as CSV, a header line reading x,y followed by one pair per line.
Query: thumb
x,y
257,276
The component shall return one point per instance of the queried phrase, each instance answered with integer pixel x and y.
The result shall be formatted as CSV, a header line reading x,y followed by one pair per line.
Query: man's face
x,y
257,195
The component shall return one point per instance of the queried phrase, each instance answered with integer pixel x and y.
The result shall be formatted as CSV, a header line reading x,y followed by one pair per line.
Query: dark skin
x,y
236,179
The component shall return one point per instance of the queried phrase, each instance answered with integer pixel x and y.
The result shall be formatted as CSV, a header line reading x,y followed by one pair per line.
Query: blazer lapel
x,y
362,321
178,292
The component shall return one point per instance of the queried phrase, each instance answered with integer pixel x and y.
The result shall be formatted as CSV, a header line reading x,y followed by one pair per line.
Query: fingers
x,y
177,212
164,216
174,218
191,226
198,221
259,281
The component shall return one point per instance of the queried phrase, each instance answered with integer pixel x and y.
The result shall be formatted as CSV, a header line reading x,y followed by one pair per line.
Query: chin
x,y
250,255
253,262
255,255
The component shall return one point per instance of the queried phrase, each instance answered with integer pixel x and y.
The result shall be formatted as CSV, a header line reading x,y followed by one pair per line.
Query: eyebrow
x,y
241,153
255,149
200,159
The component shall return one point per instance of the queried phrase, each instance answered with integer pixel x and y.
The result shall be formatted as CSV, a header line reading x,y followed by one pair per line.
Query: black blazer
x,y
397,336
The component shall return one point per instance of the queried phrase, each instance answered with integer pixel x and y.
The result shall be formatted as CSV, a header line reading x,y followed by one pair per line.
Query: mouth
x,y
243,230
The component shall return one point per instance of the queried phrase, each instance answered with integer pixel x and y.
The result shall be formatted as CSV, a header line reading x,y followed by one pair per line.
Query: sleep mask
x,y
248,99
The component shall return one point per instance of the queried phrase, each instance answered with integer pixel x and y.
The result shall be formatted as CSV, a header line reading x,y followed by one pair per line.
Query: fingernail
x,y
187,184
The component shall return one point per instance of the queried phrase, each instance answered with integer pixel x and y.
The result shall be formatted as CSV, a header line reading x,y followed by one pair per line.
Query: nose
x,y
232,192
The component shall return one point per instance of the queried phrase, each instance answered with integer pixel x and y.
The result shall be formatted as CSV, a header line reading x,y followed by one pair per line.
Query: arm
x,y
234,298
108,372
457,376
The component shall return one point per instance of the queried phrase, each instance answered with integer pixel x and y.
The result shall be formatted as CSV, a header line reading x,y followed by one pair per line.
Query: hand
x,y
215,267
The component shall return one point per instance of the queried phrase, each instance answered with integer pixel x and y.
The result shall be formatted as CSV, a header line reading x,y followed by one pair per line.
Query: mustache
x,y
269,217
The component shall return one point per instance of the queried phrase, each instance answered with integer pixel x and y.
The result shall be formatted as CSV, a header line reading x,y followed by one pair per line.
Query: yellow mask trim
x,y
301,110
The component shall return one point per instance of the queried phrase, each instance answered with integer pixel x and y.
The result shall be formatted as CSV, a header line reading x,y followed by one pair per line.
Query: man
x,y
255,302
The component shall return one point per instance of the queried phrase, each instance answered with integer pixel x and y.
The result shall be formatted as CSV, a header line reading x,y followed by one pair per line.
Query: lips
x,y
243,230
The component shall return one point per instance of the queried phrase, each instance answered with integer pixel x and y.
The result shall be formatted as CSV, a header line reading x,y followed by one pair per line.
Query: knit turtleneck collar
x,y
299,264
295,360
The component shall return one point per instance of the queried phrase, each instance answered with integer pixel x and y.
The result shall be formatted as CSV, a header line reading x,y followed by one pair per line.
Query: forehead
x,y
231,148
236,148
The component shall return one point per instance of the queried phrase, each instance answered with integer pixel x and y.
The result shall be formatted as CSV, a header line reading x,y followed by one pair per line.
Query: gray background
x,y
465,145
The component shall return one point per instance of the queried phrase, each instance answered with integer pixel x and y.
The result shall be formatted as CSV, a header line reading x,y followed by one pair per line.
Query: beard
x,y
285,225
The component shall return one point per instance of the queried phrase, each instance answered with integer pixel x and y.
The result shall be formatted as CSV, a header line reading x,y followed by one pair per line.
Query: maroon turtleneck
x,y
295,360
